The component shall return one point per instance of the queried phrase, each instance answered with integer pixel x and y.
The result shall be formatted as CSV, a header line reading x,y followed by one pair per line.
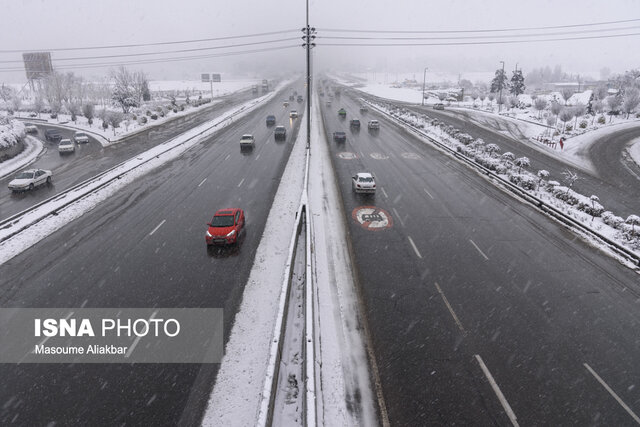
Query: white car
x,y
247,140
30,129
293,114
374,124
363,182
30,179
81,138
66,146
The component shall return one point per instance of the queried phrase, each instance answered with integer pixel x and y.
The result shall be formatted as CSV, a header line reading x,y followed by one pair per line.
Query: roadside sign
x,y
205,78
372,218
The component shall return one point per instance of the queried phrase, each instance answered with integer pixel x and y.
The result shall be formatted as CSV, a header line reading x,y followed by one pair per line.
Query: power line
x,y
147,44
162,52
481,42
159,60
480,37
484,30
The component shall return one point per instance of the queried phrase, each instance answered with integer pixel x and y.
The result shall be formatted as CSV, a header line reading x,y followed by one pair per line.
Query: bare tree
x,y
74,109
601,92
598,108
38,104
6,93
565,115
613,102
540,104
556,108
570,177
522,162
631,100
88,110
566,94
140,86
578,111
16,103
115,118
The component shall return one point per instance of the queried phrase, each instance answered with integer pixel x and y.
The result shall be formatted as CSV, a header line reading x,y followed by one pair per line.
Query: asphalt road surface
x,y
616,181
471,295
91,159
145,247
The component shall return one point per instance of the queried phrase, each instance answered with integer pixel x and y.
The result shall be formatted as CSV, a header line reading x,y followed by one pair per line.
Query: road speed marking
x,y
379,156
411,156
372,218
346,155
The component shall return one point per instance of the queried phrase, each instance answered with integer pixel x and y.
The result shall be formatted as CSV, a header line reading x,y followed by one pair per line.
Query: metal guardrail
x,y
522,193
10,221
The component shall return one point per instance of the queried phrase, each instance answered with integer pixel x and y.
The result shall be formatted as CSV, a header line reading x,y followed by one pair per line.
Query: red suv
x,y
225,227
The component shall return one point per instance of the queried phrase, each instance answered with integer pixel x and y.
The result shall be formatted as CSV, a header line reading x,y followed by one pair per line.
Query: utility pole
x,y
501,84
424,79
308,44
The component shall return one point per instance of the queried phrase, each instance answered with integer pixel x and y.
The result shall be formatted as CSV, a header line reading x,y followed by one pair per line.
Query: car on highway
x,y
66,146
364,109
373,125
363,182
342,113
339,136
29,128
247,141
225,227
81,138
300,98
291,97
280,132
285,103
293,114
52,135
438,106
329,103
354,124
271,120
30,179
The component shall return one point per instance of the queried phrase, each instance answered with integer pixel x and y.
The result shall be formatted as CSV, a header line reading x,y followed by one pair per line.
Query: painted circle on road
x,y
411,156
372,218
346,155
379,156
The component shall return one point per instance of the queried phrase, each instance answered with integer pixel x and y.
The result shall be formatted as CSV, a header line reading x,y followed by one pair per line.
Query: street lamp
x,y
424,79
501,83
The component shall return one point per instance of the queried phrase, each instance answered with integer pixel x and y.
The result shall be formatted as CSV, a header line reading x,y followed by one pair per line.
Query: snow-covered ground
x,y
634,150
224,87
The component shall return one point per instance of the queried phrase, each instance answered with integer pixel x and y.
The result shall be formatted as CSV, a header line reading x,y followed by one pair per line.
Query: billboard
x,y
205,78
37,65
215,78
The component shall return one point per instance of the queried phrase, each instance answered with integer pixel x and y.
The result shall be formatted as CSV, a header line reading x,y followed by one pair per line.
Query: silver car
x,y
66,146
30,179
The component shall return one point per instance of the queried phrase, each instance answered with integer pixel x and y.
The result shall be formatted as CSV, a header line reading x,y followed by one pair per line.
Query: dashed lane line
x,y
496,390
158,226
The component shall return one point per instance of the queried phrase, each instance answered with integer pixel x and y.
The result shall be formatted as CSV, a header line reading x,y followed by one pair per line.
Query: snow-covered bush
x,y
142,120
602,120
590,206
612,220
11,132
583,124
523,180
565,194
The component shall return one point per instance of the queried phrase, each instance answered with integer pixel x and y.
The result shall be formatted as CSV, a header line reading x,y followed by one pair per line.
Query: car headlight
x,y
231,233
209,234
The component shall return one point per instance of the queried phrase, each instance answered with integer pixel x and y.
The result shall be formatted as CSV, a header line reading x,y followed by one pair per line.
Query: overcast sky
x,y
44,24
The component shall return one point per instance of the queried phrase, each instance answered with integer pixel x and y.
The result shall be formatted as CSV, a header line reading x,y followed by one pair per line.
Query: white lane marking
x,y
241,182
398,216
137,340
227,158
476,246
158,226
202,182
384,192
415,248
429,194
453,313
258,156
496,389
613,393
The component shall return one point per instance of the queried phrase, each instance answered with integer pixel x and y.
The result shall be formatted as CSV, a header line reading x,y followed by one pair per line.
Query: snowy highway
x,y
91,159
145,247
481,309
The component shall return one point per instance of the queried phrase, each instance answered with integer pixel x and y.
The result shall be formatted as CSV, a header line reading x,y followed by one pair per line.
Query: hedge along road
x,y
91,159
